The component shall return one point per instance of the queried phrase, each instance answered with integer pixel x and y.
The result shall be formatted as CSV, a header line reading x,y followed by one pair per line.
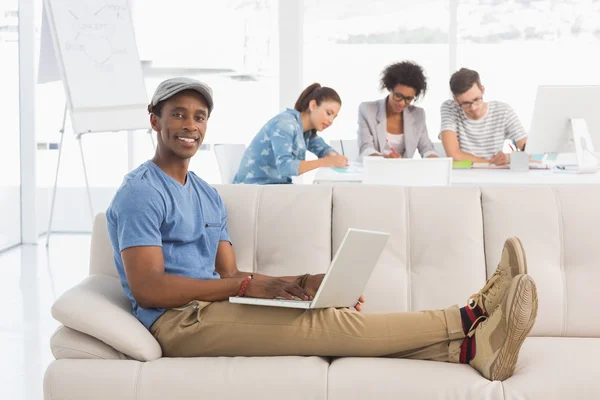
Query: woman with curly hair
x,y
392,127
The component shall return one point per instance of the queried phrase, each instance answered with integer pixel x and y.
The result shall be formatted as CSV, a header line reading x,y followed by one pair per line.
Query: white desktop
x,y
565,128
566,120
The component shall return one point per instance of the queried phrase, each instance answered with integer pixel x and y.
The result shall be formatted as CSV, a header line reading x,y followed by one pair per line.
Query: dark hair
x,y
462,80
405,73
157,109
319,94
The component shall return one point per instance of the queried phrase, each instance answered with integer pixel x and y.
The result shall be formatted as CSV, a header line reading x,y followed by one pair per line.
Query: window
x,y
232,46
347,44
517,45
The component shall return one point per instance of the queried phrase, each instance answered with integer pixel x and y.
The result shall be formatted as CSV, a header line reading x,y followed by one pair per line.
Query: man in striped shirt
x,y
473,129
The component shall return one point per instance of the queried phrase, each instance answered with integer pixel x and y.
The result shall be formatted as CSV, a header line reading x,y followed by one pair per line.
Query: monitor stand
x,y
587,161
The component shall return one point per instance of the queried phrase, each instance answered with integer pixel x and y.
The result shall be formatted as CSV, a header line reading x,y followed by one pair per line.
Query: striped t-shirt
x,y
483,137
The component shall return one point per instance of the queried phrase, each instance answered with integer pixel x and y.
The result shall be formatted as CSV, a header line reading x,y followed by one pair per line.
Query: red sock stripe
x,y
463,351
469,316
467,350
474,313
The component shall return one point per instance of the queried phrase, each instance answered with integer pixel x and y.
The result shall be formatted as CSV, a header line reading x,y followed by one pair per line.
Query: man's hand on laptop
x,y
273,288
313,282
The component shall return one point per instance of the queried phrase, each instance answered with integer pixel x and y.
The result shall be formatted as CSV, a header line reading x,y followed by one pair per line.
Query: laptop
x,y
346,277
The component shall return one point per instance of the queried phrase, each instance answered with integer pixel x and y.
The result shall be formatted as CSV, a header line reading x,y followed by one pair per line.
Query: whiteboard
x,y
91,44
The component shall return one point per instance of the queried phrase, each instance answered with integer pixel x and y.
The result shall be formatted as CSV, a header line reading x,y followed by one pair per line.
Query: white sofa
x,y
444,243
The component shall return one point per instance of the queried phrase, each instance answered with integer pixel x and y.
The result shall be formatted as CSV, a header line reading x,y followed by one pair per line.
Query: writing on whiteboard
x,y
94,34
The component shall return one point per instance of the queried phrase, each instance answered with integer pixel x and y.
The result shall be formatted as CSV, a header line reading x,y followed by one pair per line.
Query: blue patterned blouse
x,y
275,153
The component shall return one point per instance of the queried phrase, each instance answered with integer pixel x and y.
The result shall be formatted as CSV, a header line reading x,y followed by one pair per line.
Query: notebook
x,y
532,165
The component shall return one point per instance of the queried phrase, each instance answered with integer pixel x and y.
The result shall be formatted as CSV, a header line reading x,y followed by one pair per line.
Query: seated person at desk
x,y
473,129
279,149
391,127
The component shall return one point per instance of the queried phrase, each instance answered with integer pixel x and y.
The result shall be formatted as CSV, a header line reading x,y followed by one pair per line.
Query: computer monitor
x,y
554,109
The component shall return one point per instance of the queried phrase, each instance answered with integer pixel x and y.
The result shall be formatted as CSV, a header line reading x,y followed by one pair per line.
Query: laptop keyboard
x,y
296,300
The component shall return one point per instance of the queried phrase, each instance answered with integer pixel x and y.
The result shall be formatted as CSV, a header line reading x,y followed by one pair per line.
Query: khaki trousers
x,y
203,329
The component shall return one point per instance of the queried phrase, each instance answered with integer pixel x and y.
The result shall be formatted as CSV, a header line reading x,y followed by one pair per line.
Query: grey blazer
x,y
372,127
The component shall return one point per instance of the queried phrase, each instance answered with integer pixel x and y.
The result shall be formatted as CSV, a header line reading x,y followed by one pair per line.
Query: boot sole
x,y
515,247
520,319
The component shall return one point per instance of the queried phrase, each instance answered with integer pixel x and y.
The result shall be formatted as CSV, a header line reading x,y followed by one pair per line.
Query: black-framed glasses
x,y
400,97
475,102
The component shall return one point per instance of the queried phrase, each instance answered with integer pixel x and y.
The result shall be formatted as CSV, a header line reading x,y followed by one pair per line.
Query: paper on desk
x,y
351,169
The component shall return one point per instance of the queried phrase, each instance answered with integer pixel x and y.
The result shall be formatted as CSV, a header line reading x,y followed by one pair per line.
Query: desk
x,y
477,177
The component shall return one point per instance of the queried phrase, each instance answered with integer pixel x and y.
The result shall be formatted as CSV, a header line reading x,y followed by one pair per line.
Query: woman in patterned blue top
x,y
278,151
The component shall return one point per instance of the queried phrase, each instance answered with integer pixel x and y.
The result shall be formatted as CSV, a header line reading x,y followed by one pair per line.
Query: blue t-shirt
x,y
153,209
275,153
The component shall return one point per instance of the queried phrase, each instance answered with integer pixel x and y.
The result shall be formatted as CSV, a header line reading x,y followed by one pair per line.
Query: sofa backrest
x,y
445,241
101,254
434,257
558,227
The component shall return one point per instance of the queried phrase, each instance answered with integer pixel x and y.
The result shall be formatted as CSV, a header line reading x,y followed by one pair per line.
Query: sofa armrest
x,y
67,343
98,307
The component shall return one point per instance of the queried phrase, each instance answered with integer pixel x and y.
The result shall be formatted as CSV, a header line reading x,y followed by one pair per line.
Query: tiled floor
x,y
31,278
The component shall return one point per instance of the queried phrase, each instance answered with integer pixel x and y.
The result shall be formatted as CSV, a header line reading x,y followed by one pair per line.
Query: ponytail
x,y
319,94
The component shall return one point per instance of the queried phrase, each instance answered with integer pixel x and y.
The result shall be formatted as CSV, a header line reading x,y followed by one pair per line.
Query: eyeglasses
x,y
475,102
400,97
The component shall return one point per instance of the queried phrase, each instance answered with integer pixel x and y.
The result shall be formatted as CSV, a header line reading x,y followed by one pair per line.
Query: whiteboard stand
x,y
87,185
90,46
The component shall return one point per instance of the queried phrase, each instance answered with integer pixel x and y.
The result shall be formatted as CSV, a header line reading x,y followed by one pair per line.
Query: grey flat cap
x,y
172,86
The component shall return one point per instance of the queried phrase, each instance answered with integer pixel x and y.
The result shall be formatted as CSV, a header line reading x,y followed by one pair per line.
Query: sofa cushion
x,y
101,253
264,378
581,258
353,207
267,223
92,380
69,343
387,378
293,231
241,202
98,307
556,368
557,226
434,257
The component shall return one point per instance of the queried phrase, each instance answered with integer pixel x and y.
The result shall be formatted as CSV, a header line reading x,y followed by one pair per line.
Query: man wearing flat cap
x,y
171,246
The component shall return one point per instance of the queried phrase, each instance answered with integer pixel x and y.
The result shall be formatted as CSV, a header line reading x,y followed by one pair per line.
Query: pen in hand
x,y
392,147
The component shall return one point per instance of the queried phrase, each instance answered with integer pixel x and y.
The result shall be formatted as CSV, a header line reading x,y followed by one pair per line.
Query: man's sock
x,y
470,316
467,350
